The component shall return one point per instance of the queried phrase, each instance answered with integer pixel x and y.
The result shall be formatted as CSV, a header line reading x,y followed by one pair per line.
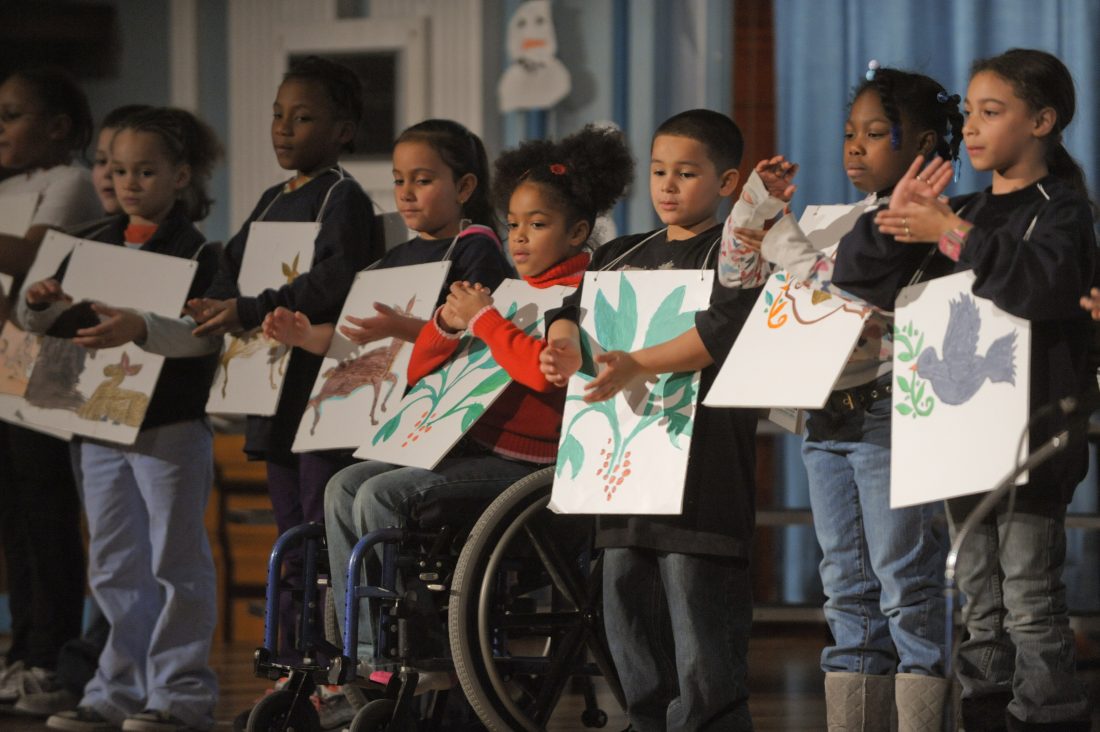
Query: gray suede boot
x,y
920,701
858,702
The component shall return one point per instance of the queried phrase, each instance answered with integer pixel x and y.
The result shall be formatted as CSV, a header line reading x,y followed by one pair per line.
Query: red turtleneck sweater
x,y
524,423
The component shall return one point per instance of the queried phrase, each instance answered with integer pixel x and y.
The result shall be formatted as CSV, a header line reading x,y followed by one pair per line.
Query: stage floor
x,y
786,685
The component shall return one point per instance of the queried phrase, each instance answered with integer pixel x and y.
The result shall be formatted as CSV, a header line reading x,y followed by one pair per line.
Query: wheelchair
x,y
518,590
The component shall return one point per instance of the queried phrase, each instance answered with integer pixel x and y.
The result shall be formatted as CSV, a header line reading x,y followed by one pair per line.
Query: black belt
x,y
860,397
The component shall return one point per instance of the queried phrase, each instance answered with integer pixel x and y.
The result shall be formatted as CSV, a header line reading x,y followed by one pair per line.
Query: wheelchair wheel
x,y
283,711
525,610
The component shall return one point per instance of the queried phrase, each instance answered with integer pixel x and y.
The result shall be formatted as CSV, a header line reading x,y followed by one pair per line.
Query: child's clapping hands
x,y
465,301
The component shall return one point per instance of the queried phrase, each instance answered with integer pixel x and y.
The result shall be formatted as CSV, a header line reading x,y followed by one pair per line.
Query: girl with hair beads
x,y
882,568
150,567
45,124
552,193
1030,242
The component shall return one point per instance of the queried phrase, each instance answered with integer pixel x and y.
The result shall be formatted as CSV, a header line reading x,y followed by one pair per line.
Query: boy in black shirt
x,y
677,595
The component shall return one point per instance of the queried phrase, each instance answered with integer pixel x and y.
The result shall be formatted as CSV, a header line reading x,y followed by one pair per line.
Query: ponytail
x,y
1062,166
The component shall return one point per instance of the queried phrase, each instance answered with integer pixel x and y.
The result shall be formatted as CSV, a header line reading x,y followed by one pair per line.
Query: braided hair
x,y
920,99
585,173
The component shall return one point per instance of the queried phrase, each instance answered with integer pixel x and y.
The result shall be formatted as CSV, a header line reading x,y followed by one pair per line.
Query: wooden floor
x,y
785,684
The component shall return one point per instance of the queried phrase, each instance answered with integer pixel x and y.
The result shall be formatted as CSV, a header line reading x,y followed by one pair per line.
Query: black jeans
x,y
43,551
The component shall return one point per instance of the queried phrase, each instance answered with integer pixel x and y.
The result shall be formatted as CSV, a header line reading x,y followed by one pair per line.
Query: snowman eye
x,y
539,20
522,22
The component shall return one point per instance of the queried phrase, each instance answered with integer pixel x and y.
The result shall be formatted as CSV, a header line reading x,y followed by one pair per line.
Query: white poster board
x,y
358,386
797,339
19,349
443,405
628,455
104,393
16,214
251,367
960,397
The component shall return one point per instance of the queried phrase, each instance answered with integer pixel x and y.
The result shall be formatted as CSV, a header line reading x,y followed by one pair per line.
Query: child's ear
x,y
183,176
59,127
927,142
579,233
1044,121
466,186
728,182
345,133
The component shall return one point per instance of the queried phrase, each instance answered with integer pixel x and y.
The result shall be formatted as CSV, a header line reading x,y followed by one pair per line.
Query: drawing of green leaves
x,y
571,452
490,383
668,322
473,354
615,328
471,414
669,400
908,344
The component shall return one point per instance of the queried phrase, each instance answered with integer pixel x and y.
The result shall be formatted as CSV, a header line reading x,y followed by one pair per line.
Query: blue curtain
x,y
822,50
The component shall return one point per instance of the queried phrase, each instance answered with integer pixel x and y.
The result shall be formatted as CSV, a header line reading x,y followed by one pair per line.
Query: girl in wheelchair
x,y
552,194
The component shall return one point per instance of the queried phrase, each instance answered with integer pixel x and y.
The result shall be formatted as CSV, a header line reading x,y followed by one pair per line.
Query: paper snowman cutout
x,y
536,79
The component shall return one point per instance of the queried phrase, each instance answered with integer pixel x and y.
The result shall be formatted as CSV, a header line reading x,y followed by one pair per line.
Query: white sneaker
x,y
29,681
46,703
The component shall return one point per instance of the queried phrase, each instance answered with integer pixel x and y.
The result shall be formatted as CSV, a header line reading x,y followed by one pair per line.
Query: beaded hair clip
x,y
895,130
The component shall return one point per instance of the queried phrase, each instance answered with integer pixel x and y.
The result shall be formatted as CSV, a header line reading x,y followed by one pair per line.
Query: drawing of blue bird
x,y
961,372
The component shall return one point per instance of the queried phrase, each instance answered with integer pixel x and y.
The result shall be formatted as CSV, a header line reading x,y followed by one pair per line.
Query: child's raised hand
x,y
1091,303
46,292
559,360
777,174
215,317
466,301
386,324
619,370
117,327
917,183
752,238
290,328
919,221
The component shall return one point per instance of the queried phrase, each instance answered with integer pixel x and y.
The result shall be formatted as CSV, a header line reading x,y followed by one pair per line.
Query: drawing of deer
x,y
372,368
252,342
109,403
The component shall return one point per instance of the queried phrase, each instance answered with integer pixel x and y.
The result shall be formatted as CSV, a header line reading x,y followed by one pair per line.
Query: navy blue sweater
x,y
476,258
1040,279
346,243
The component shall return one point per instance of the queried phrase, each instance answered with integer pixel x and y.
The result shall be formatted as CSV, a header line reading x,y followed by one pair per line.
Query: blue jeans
x,y
1019,640
882,568
678,628
375,495
151,572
